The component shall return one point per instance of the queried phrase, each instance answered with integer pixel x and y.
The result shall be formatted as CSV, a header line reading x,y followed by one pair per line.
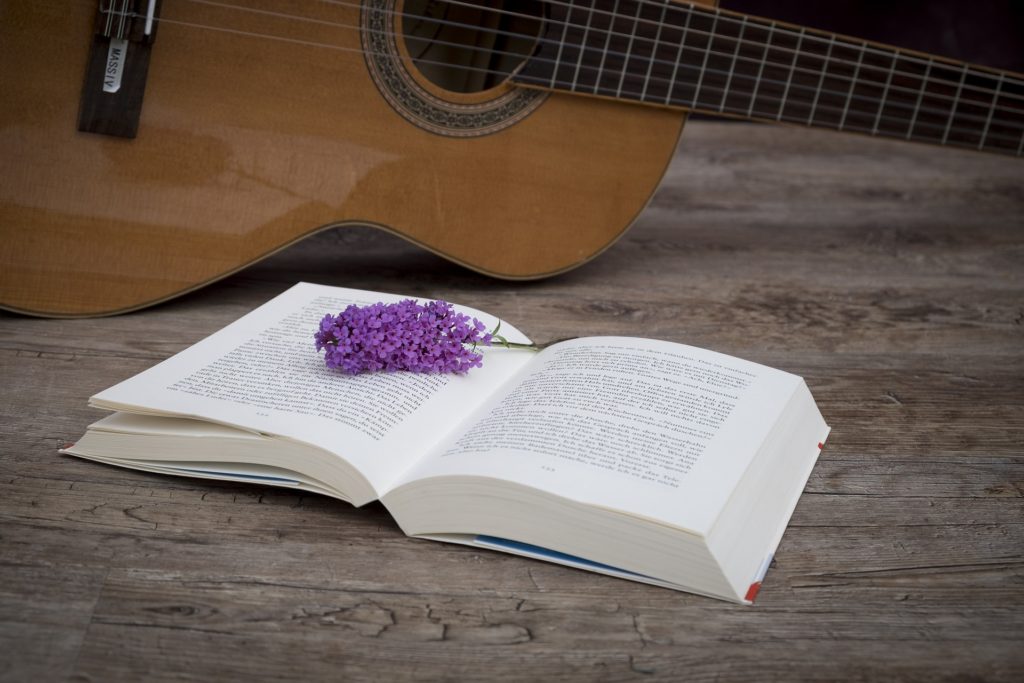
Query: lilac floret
x,y
430,337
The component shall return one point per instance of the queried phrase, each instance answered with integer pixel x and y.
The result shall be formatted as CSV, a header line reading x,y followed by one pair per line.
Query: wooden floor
x,y
890,276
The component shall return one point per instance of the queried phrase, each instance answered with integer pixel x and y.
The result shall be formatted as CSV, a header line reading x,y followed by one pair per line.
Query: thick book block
x,y
643,459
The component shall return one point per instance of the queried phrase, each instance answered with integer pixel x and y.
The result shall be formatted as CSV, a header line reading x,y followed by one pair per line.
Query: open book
x,y
642,459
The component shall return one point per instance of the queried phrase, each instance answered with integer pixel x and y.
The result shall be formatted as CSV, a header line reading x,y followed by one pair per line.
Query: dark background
x,y
988,32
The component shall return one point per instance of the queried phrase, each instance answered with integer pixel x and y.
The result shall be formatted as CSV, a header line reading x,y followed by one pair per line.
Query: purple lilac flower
x,y
429,337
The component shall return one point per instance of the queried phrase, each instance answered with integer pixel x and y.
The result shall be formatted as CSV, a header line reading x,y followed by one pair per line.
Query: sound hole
x,y
470,47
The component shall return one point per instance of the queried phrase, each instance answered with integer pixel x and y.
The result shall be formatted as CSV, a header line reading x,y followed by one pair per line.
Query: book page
x,y
654,429
264,374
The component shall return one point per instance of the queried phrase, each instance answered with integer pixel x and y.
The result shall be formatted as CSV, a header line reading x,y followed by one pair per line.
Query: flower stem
x,y
499,340
505,343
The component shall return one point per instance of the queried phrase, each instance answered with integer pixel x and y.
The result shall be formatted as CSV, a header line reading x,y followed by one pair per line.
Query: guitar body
x,y
247,144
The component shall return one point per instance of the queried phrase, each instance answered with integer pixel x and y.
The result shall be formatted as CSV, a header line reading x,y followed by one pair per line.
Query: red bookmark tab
x,y
820,445
752,591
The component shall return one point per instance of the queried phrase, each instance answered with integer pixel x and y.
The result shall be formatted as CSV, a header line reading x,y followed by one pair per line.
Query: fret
x,y
704,64
870,92
561,46
572,61
853,85
1004,131
956,103
1009,122
956,107
830,97
976,105
732,66
582,43
654,52
771,92
743,66
821,81
607,42
717,72
900,95
643,72
679,57
760,69
629,48
691,59
885,94
920,98
616,58
804,83
708,60
991,111
667,38
936,109
789,79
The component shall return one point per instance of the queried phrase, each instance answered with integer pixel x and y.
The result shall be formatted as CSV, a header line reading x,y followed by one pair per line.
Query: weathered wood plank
x,y
890,276
45,610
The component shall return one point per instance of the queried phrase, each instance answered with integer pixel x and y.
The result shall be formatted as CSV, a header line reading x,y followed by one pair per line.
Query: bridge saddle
x,y
115,77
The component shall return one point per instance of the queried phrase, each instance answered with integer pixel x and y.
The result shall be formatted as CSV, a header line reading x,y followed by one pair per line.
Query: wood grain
x,y
259,129
890,276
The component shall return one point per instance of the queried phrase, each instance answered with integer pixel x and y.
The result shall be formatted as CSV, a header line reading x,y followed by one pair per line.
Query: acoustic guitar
x,y
152,146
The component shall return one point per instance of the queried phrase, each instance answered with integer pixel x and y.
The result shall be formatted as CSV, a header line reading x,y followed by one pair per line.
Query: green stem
x,y
501,341
498,340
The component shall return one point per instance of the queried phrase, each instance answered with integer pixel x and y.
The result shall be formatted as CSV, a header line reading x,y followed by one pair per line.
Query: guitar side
x,y
247,144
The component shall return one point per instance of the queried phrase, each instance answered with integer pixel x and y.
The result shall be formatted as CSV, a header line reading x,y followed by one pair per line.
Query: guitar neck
x,y
724,63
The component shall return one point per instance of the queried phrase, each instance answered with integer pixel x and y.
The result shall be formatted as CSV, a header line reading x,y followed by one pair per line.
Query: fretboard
x,y
718,62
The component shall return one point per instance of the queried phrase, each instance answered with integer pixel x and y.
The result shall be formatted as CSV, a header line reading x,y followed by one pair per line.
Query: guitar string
x,y
804,36
722,110
727,110
992,105
990,138
935,97
723,17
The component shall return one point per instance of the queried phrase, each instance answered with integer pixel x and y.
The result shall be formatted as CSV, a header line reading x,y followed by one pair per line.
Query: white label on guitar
x,y
116,54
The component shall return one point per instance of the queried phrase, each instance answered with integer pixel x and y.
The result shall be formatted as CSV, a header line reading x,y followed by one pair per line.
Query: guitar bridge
x,y
115,75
